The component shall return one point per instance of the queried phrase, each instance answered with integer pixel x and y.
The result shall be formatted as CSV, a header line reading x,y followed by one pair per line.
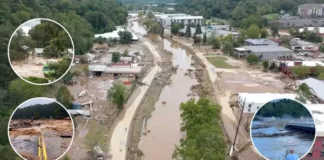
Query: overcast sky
x,y
30,24
36,101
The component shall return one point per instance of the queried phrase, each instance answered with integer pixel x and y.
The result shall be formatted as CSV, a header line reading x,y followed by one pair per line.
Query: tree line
x,y
283,107
41,111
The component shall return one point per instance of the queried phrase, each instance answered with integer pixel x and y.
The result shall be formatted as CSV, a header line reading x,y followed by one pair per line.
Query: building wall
x,y
316,151
274,55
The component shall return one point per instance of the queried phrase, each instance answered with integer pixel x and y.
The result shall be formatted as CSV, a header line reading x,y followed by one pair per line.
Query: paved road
x,y
119,137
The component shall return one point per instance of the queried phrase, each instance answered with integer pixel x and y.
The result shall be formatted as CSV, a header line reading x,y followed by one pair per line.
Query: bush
x,y
252,59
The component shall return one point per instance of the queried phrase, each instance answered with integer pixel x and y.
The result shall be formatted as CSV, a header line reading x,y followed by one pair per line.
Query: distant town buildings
x,y
310,10
215,30
264,52
114,34
38,52
167,19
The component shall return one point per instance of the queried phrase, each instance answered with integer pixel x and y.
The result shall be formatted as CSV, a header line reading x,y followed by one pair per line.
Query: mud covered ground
x,y
57,135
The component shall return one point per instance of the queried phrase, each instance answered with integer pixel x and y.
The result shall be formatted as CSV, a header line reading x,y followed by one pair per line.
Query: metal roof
x,y
79,112
261,42
133,70
39,50
315,85
304,63
97,68
259,49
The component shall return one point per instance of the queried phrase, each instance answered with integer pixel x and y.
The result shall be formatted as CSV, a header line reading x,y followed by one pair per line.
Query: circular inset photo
x,y
41,128
283,129
41,51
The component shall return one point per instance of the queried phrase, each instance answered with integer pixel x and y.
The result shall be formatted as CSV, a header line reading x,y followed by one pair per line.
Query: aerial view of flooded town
x,y
162,80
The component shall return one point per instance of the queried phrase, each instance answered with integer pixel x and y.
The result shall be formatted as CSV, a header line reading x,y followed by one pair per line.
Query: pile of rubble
x,y
164,77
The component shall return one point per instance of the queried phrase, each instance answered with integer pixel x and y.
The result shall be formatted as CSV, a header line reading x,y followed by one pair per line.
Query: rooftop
x,y
320,29
79,112
261,42
312,5
39,50
241,49
97,68
264,97
267,49
315,85
305,63
133,70
114,34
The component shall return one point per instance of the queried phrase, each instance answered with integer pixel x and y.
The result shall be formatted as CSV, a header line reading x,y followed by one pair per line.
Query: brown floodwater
x,y
163,127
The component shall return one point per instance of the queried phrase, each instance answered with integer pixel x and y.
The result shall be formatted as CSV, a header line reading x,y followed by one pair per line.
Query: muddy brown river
x,y
164,124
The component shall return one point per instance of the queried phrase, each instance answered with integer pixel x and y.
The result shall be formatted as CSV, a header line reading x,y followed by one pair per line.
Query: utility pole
x,y
237,129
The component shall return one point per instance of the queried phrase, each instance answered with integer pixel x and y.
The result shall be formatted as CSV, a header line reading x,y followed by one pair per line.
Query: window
x,y
322,154
310,154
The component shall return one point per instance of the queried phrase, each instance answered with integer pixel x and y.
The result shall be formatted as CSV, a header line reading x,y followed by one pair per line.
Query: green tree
x,y
228,48
175,27
150,15
274,29
198,29
253,31
125,37
203,140
265,65
318,70
321,76
204,39
300,71
304,89
264,33
125,54
64,97
188,31
117,94
115,57
58,69
321,48
252,59
216,43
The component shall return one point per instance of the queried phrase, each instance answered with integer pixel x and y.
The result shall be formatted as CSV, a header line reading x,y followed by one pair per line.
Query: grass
x,y
273,16
220,62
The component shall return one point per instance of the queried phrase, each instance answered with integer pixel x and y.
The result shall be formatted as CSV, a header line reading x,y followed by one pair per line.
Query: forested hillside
x,y
239,10
82,18
39,111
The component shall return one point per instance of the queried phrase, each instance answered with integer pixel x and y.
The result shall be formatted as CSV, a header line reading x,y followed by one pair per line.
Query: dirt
x,y
31,67
57,135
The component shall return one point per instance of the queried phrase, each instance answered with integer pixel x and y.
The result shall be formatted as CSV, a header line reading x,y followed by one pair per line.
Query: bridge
x,y
301,127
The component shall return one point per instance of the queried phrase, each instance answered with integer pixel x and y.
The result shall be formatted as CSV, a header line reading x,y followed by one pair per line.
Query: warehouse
x,y
265,52
103,70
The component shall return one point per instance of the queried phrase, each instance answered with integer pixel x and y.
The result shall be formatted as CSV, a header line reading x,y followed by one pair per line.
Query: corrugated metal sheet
x,y
315,85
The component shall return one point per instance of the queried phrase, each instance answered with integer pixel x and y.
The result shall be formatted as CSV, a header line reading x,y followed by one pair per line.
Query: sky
x,y
36,101
27,26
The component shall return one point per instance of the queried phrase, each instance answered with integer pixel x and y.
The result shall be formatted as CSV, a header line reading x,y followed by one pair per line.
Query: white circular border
x,y
315,136
41,84
53,101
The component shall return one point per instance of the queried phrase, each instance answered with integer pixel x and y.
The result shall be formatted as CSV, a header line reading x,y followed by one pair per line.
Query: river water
x,y
274,148
164,124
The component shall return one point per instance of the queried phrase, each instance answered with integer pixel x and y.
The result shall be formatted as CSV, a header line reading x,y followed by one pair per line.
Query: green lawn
x,y
273,16
220,62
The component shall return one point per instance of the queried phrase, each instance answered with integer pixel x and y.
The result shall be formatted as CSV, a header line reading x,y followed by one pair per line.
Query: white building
x,y
311,10
114,34
167,19
253,101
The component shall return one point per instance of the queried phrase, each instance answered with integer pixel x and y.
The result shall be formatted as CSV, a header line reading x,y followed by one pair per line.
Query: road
x,y
120,134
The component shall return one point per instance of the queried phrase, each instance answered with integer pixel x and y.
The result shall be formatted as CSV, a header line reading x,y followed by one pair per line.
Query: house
x,y
264,52
38,52
316,88
300,45
253,101
103,70
101,48
286,67
260,42
318,147
167,19
25,48
311,10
